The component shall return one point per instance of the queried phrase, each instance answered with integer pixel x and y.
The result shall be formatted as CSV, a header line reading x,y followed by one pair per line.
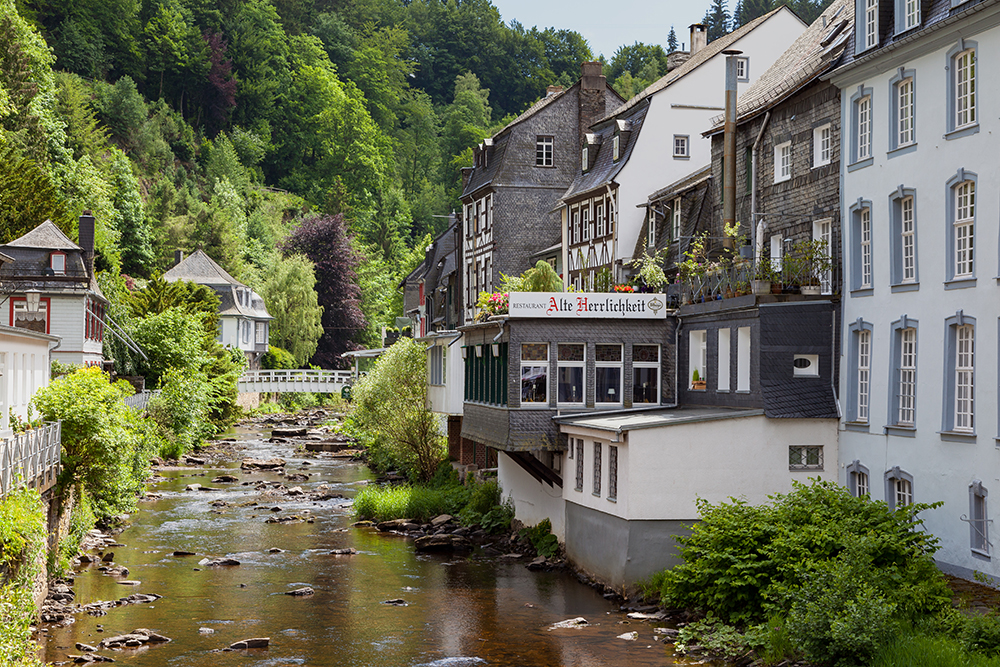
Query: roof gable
x,y
45,236
202,269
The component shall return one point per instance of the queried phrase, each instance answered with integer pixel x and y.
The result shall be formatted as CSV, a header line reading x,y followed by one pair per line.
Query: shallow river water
x,y
461,610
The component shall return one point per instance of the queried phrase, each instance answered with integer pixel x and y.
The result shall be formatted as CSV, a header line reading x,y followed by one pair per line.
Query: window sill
x,y
905,287
721,391
531,406
822,164
961,132
743,391
861,164
980,553
864,291
901,150
959,283
783,180
903,431
545,166
859,427
957,436
579,489
612,500
596,495
682,157
806,469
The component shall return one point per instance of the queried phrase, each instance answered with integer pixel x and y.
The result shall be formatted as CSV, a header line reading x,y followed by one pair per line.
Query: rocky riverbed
x,y
248,552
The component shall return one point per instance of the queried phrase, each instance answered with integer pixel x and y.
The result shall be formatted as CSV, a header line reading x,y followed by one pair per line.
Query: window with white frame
x,y
979,520
782,162
904,112
576,226
616,145
601,231
608,368
965,350
597,469
871,23
864,129
822,145
823,233
864,375
435,359
858,362
612,472
858,479
866,248
585,159
965,88
724,353
805,457
534,373
544,146
697,357
585,217
57,262
681,148
911,14
964,228
645,374
908,244
898,488
675,219
743,69
777,253
907,379
579,464
743,359
571,365
260,335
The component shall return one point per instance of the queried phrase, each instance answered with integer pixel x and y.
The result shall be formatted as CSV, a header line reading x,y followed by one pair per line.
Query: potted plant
x,y
763,274
813,262
696,382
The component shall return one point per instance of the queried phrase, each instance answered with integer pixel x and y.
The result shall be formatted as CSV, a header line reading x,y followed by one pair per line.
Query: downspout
x,y
760,226
677,341
833,362
614,239
565,245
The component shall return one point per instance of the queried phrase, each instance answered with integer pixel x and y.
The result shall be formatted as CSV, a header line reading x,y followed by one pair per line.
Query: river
x,y
460,610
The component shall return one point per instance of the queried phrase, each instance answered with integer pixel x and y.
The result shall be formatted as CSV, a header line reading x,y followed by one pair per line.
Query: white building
x,y
243,317
920,214
24,369
653,139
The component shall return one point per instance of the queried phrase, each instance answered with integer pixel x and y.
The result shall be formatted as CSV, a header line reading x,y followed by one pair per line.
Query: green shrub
x,y
741,562
916,649
277,358
81,520
981,634
714,636
384,503
487,509
181,410
22,538
541,538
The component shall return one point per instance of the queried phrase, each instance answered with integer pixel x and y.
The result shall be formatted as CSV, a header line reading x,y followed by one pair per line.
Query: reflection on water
x,y
460,611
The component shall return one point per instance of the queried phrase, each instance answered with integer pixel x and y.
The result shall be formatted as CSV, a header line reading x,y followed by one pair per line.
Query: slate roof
x,y
230,305
483,176
684,184
199,268
605,169
934,15
815,52
706,53
45,236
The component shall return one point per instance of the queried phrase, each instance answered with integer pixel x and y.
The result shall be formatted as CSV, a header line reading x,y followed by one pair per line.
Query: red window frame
x,y
48,310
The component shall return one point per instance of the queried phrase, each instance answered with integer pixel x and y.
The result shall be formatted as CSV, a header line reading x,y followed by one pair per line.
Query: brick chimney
x,y
699,37
593,88
553,90
178,257
86,229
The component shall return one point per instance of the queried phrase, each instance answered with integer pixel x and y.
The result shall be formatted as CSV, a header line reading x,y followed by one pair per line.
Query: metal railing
x,y
141,400
294,381
31,459
721,282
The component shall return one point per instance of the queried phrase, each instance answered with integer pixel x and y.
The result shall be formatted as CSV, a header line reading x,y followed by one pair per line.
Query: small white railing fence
x,y
31,459
285,381
141,400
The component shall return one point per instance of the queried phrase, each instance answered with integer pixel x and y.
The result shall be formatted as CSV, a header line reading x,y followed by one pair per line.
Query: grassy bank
x,y
475,504
22,543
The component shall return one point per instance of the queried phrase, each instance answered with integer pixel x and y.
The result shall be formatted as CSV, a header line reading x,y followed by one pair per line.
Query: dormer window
x,y
585,159
871,23
57,262
616,144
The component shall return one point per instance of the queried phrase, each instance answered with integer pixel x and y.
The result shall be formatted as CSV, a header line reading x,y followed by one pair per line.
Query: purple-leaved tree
x,y
324,240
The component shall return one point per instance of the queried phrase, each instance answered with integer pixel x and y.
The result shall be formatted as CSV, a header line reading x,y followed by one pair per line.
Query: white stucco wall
x,y
663,471
448,399
533,501
942,469
24,369
651,165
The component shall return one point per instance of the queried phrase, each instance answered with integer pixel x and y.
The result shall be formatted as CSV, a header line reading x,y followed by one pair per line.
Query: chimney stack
x,y
86,235
553,90
178,257
593,100
699,37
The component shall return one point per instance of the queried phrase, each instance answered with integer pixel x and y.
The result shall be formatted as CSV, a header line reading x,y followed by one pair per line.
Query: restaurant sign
x,y
560,305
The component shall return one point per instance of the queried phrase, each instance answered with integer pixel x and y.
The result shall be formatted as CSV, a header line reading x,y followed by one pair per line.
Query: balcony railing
x,y
31,459
748,277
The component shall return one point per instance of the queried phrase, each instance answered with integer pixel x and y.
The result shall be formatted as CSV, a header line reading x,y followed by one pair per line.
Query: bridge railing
x,y
294,380
31,459
140,400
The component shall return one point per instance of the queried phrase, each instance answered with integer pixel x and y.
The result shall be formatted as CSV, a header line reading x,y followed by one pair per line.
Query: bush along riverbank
x,y
819,577
23,534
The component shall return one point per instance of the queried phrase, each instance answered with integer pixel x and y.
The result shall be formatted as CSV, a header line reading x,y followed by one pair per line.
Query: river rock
x,y
629,636
256,642
86,648
284,519
120,571
139,598
640,616
578,622
108,557
669,633
343,552
394,524
90,657
221,479
275,550
184,553
130,640
215,562
398,602
539,563
129,582
262,464
297,477
206,631
151,637
193,487
441,543
194,460
301,592
440,520
295,491
289,432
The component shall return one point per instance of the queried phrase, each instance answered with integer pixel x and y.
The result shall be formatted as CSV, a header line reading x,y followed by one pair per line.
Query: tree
x,y
633,58
748,10
672,44
288,291
391,409
324,240
717,19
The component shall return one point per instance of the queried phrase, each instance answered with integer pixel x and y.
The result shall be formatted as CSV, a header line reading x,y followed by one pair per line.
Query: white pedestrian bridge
x,y
285,381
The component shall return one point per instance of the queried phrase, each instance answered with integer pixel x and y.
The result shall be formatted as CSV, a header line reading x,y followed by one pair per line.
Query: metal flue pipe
x,y
729,142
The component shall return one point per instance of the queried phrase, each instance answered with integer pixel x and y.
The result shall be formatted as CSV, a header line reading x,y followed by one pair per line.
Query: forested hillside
x,y
225,124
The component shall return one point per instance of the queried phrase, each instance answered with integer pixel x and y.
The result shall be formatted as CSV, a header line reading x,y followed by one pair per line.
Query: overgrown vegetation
x,y
390,415
22,543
